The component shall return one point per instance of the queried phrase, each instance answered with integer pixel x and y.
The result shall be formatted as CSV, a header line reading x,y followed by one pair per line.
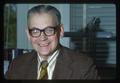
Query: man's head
x,y
44,28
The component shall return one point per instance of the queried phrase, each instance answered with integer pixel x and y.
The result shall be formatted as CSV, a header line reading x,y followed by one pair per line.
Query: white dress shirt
x,y
51,64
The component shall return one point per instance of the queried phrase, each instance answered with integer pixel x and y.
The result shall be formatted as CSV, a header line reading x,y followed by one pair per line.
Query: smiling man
x,y
50,60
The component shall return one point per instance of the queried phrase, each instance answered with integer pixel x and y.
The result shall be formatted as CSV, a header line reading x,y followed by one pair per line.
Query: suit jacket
x,y
69,65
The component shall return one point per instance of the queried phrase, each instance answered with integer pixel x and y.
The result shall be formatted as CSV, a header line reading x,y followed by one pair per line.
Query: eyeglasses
x,y
48,31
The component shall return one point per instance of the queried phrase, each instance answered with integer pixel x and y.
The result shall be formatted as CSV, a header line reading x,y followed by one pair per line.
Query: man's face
x,y
44,45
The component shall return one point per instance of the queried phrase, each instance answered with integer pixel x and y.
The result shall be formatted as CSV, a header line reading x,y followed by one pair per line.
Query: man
x,y
44,31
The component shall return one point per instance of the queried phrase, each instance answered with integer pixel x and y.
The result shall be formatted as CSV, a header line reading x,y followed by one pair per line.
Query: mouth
x,y
44,44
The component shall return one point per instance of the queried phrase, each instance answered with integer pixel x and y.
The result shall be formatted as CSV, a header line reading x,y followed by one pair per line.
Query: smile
x,y
43,45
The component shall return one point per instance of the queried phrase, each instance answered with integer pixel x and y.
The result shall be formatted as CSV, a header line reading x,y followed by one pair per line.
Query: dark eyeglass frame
x,y
43,30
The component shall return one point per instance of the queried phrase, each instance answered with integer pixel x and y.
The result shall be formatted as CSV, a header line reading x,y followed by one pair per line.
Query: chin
x,y
44,54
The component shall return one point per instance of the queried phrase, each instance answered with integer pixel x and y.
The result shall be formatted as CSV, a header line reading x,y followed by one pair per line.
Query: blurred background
x,y
90,28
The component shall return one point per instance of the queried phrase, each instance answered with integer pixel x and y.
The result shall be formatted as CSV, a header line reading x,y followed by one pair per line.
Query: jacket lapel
x,y
63,66
31,70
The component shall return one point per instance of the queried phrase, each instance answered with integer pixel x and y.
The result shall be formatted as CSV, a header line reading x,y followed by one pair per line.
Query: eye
x,y
34,30
49,30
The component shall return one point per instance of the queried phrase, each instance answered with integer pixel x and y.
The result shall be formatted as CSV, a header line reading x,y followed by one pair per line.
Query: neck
x,y
45,57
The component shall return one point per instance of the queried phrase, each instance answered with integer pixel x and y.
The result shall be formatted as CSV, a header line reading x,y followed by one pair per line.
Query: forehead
x,y
42,19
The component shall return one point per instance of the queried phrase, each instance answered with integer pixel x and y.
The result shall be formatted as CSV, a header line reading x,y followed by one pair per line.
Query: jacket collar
x,y
63,65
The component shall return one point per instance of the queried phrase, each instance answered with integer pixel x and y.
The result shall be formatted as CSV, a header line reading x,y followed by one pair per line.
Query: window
x,y
103,46
9,26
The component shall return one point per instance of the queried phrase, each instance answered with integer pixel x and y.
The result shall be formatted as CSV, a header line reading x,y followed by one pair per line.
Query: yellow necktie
x,y
43,72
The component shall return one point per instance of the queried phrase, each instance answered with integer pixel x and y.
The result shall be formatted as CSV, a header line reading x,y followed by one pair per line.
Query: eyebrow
x,y
33,28
44,28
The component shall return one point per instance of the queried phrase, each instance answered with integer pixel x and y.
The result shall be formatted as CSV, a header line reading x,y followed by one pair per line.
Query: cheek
x,y
33,40
54,41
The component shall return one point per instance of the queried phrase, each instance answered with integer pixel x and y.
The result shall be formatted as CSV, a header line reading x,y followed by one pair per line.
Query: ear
x,y
61,31
28,35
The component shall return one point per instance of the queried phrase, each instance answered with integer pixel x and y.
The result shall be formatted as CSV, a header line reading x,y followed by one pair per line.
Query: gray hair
x,y
45,8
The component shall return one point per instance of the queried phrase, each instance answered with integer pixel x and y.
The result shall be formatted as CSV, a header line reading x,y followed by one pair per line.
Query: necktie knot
x,y
44,64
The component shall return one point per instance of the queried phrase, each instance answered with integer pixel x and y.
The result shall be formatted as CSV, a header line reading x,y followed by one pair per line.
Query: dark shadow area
x,y
89,43
93,41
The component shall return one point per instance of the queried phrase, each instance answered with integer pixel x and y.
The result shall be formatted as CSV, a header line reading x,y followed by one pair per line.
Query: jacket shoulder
x,y
19,65
76,55
83,65
25,57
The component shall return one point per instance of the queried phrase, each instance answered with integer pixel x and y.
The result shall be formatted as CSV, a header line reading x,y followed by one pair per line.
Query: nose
x,y
43,37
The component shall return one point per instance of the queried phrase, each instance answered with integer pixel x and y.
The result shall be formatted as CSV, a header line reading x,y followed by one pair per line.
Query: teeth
x,y
42,45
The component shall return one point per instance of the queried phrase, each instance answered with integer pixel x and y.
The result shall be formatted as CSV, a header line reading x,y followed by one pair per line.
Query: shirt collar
x,y
50,58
